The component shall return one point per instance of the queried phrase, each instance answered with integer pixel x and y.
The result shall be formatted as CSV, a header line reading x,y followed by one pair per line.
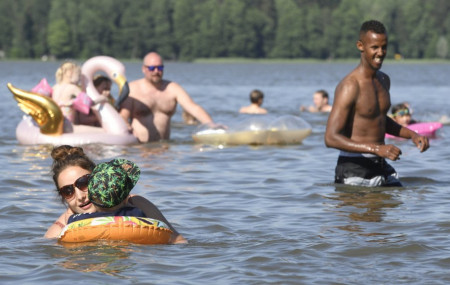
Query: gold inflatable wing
x,y
45,112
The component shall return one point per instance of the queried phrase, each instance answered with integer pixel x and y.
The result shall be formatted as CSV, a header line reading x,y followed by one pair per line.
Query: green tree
x,y
38,14
186,29
204,38
8,9
218,38
163,40
315,43
63,30
442,47
342,33
289,30
98,23
59,38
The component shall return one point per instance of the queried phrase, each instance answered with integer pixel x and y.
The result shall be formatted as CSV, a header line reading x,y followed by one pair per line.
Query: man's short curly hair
x,y
374,26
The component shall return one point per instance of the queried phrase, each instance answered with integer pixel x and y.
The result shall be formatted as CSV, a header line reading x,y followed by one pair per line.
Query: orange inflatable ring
x,y
124,228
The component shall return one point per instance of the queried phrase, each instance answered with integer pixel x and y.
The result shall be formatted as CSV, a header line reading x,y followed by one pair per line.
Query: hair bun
x,y
62,152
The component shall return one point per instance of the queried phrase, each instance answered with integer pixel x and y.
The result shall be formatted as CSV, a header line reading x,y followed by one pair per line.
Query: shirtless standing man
x,y
152,101
358,120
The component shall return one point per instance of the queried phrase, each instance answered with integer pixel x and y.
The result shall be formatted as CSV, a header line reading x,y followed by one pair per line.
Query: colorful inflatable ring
x,y
119,228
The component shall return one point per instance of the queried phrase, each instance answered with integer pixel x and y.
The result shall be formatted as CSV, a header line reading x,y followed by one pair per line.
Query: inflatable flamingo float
x,y
43,123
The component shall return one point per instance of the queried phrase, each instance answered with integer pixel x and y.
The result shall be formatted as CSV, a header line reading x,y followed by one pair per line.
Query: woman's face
x,y
79,203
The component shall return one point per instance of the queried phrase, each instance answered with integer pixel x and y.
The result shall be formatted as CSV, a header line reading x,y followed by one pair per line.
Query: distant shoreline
x,y
253,60
307,60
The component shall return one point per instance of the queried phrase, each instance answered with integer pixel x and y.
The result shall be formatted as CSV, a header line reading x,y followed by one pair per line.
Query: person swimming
x,y
401,113
256,100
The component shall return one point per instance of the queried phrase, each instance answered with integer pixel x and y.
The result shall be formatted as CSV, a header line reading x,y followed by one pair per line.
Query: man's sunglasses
x,y
152,67
81,183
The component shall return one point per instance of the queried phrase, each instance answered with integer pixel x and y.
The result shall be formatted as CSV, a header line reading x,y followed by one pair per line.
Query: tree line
x,y
190,29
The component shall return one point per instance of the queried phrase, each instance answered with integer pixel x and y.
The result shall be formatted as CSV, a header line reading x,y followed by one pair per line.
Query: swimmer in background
x,y
188,119
256,99
103,85
401,113
67,88
320,99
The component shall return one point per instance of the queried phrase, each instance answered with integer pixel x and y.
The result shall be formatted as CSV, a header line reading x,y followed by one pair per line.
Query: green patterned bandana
x,y
111,182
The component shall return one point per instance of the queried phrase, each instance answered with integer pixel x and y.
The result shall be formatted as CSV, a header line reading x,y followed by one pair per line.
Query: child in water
x,y
401,113
109,187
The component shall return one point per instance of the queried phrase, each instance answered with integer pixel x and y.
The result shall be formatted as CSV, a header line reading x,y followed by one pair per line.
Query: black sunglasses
x,y
68,191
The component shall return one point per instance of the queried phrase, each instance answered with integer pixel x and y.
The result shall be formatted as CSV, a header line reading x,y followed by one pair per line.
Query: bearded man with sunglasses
x,y
358,120
152,102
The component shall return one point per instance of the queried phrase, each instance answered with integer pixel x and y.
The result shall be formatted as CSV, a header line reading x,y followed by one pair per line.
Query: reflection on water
x,y
362,204
111,258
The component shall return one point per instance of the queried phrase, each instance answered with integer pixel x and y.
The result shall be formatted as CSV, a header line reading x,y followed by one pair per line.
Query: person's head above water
x,y
256,97
68,159
111,182
68,72
401,114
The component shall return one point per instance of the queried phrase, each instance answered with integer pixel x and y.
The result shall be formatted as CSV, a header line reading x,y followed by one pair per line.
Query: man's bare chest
x,y
155,103
373,100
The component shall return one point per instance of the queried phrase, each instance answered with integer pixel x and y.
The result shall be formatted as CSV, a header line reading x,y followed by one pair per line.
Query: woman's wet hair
x,y
66,156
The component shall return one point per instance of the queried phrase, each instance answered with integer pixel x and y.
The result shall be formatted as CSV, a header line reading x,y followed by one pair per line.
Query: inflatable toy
x,y
44,121
118,228
257,130
425,129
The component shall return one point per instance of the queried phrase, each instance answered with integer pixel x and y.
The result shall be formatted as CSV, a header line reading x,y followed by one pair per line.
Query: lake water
x,y
252,215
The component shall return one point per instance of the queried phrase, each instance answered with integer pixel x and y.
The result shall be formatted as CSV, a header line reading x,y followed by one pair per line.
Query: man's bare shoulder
x,y
136,83
349,85
170,85
384,79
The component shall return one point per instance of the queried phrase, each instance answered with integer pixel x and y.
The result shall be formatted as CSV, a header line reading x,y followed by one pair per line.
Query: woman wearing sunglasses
x,y
71,172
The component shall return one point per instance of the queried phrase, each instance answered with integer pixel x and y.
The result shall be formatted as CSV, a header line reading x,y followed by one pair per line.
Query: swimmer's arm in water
x,y
153,212
55,229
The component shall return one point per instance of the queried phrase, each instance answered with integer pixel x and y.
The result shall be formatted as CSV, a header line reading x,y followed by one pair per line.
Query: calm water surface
x,y
252,215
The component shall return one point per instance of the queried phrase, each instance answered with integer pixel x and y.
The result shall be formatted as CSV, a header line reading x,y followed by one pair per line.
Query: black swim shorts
x,y
365,170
